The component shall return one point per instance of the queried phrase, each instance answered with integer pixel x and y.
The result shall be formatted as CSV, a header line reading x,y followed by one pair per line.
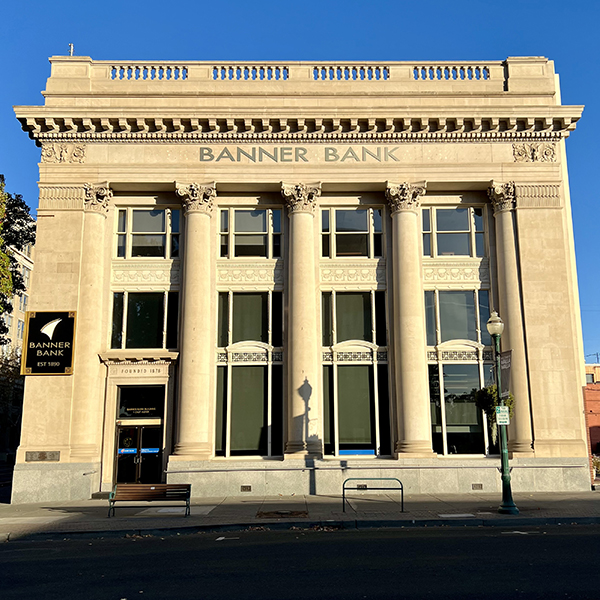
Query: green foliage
x,y
486,399
17,230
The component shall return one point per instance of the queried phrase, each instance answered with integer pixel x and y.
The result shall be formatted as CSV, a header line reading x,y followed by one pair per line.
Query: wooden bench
x,y
150,492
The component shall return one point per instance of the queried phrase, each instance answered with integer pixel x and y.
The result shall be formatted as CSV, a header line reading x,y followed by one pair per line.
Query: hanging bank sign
x,y
48,343
314,153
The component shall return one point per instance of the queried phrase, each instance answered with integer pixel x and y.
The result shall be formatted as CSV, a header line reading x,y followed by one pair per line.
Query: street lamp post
x,y
495,327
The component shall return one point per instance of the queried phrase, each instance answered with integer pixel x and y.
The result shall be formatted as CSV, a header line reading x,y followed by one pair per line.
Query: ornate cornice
x,y
404,196
97,197
502,196
410,128
196,197
301,197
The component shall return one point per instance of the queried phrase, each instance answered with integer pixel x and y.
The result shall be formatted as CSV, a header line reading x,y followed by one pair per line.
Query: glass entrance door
x,y
139,454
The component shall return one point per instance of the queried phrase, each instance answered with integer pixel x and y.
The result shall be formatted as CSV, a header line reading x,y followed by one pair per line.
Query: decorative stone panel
x,y
132,273
534,152
232,273
367,273
65,197
538,195
448,271
63,153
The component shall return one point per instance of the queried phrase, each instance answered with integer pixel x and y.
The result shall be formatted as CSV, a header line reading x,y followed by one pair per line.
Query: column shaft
x,y
513,337
410,373
88,405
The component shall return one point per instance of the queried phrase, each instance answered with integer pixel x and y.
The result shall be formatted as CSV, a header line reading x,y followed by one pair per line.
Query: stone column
x,y
196,356
88,399
502,196
303,329
410,359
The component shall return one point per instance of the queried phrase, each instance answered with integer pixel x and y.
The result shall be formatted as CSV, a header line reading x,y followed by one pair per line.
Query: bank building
x,y
278,275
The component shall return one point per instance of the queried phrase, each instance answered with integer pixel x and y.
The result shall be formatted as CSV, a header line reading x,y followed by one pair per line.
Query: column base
x,y
192,451
521,446
420,447
84,453
302,449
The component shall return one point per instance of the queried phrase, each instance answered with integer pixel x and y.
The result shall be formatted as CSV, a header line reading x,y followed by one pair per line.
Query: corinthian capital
x,y
404,196
301,197
196,197
502,195
97,197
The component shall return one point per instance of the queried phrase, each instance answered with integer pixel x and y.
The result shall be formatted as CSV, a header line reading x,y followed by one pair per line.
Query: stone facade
x,y
282,274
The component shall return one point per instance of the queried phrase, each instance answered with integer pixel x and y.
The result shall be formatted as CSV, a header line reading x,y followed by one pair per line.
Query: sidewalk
x,y
59,520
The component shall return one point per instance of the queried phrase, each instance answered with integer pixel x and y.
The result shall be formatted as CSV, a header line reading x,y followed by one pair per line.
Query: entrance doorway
x,y
139,454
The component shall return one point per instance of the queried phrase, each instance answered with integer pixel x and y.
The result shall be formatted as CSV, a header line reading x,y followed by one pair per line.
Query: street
x,y
452,563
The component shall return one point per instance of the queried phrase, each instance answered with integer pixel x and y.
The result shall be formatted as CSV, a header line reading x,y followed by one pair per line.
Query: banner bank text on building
x,y
298,154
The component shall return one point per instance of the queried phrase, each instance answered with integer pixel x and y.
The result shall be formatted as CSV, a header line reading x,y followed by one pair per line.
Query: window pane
x,y
377,245
452,219
426,220
145,320
277,319
251,221
250,317
276,246
436,410
174,221
172,319
457,316
117,324
175,246
353,317
385,448
248,410
224,246
325,252
221,413
478,215
277,410
479,246
147,245
380,320
325,221
224,221
377,225
453,244
276,221
355,404
351,245
223,318
142,401
351,220
148,220
121,241
251,245
484,316
430,318
426,244
326,319
328,410
122,221
463,418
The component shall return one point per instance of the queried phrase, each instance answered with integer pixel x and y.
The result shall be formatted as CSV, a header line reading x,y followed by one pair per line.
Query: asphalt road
x,y
558,562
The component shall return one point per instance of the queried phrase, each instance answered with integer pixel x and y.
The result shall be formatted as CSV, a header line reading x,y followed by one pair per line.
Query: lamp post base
x,y
508,509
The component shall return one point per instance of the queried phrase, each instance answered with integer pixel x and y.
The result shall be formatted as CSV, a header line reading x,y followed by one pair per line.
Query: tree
x,y
17,230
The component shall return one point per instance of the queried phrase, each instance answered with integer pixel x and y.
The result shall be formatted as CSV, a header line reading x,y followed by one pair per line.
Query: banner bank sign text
x,y
269,154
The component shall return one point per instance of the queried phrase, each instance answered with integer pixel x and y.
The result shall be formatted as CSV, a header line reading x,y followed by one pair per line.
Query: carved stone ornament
x,y
301,197
196,197
534,152
63,153
97,197
502,196
404,196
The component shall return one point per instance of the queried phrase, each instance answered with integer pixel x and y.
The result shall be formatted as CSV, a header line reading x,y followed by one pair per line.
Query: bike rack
x,y
401,488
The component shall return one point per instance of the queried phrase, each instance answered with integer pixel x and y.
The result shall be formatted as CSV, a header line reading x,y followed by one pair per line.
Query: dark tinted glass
x,y
117,324
277,410
326,319
430,318
484,315
223,317
148,245
350,244
251,245
452,219
250,317
221,412
436,409
351,220
380,320
251,221
249,433
453,244
142,401
277,319
144,320
172,319
457,316
148,221
355,407
353,316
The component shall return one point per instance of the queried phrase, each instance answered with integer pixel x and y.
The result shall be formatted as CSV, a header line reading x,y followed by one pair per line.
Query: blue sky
x,y
566,32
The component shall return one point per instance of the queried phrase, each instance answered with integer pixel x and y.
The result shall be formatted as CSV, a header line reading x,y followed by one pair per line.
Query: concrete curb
x,y
301,525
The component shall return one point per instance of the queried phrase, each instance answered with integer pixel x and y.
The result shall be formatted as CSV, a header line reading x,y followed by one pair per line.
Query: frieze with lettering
x,y
48,343
269,154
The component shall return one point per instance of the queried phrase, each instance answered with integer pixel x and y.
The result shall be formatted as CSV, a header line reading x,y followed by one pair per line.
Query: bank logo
x,y
49,328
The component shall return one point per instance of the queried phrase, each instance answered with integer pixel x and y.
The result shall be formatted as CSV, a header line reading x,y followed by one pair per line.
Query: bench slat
x,y
147,492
